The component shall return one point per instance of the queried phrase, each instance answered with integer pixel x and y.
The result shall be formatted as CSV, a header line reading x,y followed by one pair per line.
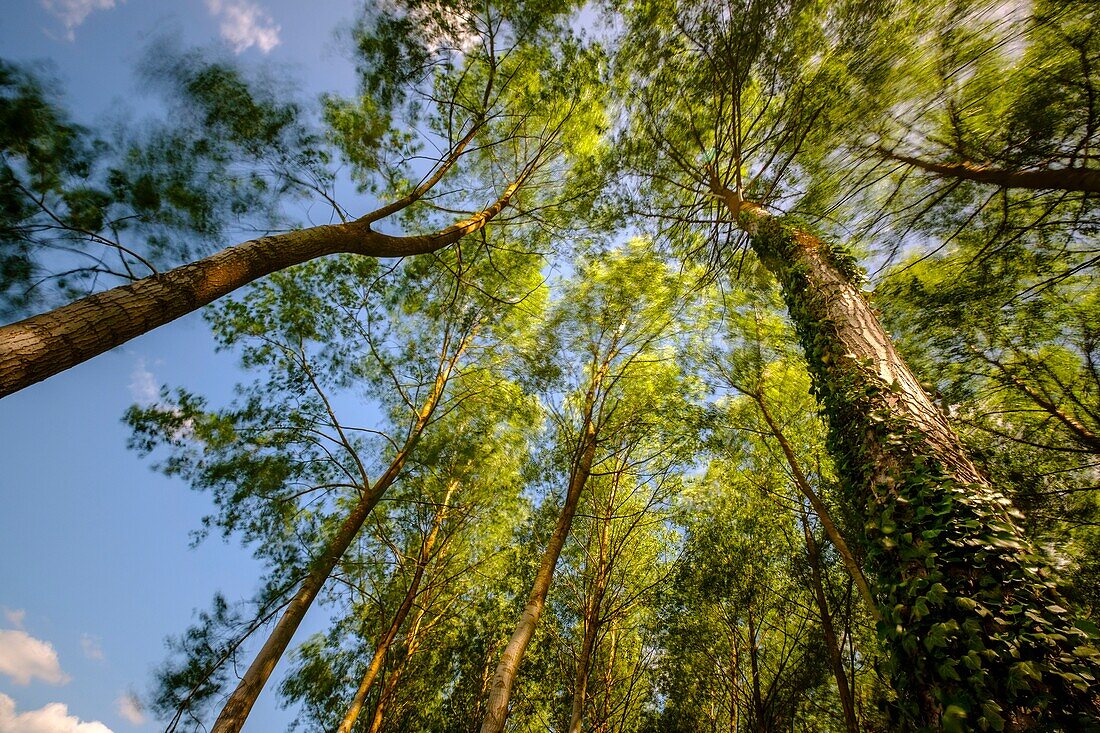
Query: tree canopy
x,y
702,366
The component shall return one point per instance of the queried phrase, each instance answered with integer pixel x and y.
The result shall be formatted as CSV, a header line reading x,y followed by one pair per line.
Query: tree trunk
x,y
399,618
43,345
972,617
592,609
412,642
1036,179
847,703
821,510
759,716
240,702
505,676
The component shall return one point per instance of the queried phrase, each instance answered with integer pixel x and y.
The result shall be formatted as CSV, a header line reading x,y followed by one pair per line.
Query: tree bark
x,y
41,346
1035,179
759,716
972,617
505,676
399,618
240,702
412,643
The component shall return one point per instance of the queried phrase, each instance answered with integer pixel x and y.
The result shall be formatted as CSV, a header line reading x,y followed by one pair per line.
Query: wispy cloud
x,y
130,708
51,718
14,616
91,647
24,658
143,383
245,24
74,12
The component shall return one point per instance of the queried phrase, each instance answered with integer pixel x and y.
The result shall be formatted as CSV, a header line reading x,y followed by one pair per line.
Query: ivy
x,y
970,611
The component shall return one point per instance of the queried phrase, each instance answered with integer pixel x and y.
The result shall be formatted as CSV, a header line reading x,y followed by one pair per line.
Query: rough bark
x,y
505,676
974,622
403,609
41,346
1035,179
240,702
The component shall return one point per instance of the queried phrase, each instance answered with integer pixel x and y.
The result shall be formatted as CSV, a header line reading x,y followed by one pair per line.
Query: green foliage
x,y
970,611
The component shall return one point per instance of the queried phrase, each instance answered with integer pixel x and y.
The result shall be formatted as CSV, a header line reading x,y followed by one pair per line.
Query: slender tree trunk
x,y
43,345
240,702
399,618
821,510
412,642
592,609
1084,436
505,676
847,703
970,611
1036,179
759,717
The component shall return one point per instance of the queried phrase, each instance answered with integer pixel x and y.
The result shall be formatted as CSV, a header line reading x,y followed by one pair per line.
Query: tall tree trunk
x,y
412,642
240,702
592,609
973,619
504,678
43,345
847,703
822,511
399,618
759,716
1035,179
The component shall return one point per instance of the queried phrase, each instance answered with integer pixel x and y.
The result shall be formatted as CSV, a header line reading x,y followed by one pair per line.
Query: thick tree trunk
x,y
1038,179
505,676
240,702
836,661
399,618
973,619
41,346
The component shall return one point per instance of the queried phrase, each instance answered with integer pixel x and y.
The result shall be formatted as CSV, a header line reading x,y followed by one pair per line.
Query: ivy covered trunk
x,y
977,635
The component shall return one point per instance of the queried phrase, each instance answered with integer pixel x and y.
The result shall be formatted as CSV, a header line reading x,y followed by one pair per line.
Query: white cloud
x,y
245,24
15,616
91,647
130,708
74,12
51,718
143,384
24,658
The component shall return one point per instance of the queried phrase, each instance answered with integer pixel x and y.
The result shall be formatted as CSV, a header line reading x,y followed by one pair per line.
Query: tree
x,y
286,326
615,318
477,77
944,544
694,160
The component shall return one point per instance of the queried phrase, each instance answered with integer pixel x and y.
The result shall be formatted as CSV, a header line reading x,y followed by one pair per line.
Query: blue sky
x,y
95,564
